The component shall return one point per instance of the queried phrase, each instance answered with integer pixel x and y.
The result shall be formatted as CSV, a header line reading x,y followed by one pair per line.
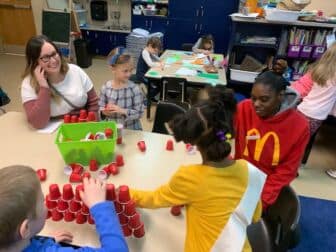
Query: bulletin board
x,y
56,26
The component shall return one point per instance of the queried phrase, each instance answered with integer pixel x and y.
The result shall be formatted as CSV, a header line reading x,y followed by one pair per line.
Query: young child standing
x,y
212,191
23,214
149,58
120,99
318,93
204,44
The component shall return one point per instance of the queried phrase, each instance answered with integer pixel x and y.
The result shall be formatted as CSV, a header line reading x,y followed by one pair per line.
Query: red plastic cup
x,y
170,145
119,140
62,205
142,146
108,132
83,114
94,165
74,119
54,192
140,231
42,174
67,118
119,160
86,175
79,188
124,195
75,206
81,218
89,136
91,116
50,204
126,230
77,168
75,178
130,209
91,220
104,173
82,120
68,193
85,210
110,192
69,216
134,221
175,210
123,219
56,215
114,169
118,207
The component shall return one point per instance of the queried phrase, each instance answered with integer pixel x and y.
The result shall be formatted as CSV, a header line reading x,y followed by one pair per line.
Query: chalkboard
x,y
56,26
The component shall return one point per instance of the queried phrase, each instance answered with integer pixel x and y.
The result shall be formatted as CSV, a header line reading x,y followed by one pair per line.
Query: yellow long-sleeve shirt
x,y
210,195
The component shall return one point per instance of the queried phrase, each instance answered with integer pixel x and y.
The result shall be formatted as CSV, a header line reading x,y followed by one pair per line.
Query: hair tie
x,y
114,58
223,137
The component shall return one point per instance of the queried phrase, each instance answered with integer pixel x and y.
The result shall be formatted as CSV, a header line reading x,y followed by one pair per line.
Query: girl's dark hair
x,y
276,82
206,123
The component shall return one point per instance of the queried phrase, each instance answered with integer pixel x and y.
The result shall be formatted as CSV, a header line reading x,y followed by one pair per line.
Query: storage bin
x,y
318,51
294,51
274,14
306,51
148,12
243,76
73,150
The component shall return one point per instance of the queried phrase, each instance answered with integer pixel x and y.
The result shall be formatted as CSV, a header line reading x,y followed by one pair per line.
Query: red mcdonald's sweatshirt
x,y
275,145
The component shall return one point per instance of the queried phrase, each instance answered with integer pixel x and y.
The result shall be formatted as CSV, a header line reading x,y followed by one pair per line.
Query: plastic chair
x,y
165,111
187,46
283,218
259,237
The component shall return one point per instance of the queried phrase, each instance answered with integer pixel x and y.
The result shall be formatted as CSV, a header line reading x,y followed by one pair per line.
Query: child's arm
x,y
303,85
147,58
195,48
136,111
107,222
180,190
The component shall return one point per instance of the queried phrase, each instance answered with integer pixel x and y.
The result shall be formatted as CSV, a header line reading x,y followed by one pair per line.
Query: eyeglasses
x,y
46,58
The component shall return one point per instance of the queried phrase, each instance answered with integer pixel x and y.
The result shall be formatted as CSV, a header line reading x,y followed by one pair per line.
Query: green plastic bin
x,y
73,150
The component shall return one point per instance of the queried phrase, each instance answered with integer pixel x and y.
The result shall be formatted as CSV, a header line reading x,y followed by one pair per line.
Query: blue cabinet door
x,y
92,38
158,24
215,20
180,31
120,39
139,21
184,9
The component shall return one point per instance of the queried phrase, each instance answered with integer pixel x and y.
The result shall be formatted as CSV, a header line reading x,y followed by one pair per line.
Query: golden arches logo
x,y
254,134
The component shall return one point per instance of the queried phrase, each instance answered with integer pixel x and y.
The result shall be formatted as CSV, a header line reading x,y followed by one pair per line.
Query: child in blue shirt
x,y
23,214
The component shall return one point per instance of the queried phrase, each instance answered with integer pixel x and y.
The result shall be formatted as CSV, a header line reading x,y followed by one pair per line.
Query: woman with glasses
x,y
51,87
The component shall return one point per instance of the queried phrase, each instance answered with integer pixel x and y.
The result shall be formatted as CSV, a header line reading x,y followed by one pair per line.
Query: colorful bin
x,y
74,150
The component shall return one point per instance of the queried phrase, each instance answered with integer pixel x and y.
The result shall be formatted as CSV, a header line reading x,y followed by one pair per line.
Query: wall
x,y
327,6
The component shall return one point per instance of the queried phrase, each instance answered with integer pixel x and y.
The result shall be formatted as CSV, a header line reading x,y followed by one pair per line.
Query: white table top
x,y
164,232
183,56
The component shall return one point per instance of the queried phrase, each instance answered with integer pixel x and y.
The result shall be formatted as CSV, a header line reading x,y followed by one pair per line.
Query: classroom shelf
x,y
271,46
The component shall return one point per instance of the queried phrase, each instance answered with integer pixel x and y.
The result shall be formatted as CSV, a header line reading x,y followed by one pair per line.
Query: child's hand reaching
x,y
111,109
62,236
94,192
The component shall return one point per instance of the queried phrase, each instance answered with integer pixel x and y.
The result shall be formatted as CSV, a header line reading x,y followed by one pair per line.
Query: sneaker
x,y
331,173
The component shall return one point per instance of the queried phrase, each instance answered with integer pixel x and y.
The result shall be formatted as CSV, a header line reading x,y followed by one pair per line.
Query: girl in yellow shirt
x,y
212,191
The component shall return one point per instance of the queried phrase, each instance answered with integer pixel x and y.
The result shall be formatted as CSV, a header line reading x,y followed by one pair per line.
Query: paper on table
x,y
186,71
50,128
200,56
250,15
171,60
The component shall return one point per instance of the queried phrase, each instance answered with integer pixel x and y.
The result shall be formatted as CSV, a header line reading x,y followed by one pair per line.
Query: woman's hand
x,y
40,77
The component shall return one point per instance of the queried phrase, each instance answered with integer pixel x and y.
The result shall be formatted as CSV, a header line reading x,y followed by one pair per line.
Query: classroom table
x,y
174,60
164,232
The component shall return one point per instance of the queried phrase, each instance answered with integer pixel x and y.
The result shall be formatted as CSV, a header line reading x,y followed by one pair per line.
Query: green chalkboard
x,y
56,26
